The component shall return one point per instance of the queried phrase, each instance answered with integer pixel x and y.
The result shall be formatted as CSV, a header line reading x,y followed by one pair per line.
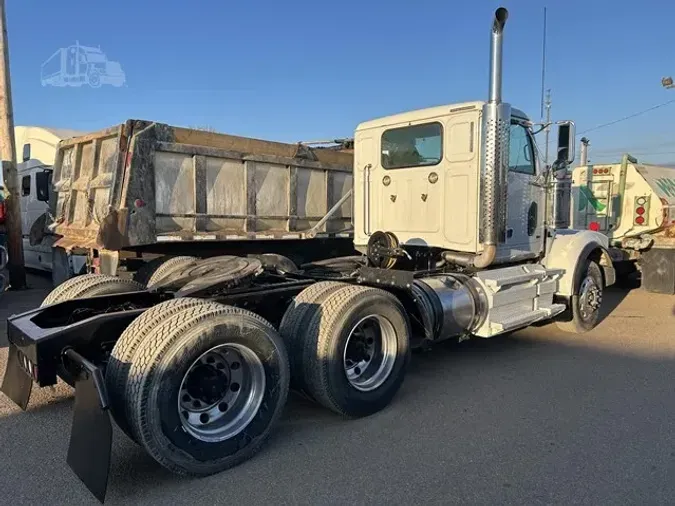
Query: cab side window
x,y
412,146
521,151
25,186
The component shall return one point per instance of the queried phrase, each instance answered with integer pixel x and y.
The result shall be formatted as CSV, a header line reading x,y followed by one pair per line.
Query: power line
x,y
632,152
630,116
634,147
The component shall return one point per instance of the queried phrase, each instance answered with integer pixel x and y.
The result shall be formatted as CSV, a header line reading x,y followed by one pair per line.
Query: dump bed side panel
x,y
207,187
211,193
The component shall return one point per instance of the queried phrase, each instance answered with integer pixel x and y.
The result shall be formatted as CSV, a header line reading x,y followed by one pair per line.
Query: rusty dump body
x,y
142,183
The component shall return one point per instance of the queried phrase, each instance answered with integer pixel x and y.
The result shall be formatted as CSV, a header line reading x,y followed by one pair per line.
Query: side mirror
x,y
43,181
566,136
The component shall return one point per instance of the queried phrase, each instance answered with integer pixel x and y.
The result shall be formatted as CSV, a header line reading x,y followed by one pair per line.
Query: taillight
x,y
641,213
2,212
594,226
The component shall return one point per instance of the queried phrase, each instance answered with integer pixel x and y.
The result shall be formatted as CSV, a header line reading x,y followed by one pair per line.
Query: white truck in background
x,y
36,149
633,204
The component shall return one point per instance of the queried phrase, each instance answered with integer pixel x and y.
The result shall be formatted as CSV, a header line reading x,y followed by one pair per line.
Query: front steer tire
x,y
585,315
179,345
329,358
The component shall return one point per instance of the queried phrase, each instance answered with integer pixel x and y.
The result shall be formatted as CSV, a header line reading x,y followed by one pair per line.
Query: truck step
x,y
518,296
519,274
522,320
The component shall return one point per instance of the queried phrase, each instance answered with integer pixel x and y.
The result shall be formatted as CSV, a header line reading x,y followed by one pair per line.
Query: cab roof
x,y
428,113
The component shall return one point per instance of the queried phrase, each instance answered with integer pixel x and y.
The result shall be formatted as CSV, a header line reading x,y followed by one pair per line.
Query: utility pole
x,y
17,272
547,105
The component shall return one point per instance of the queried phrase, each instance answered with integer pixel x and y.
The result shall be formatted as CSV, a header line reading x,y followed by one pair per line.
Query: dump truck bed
x,y
142,182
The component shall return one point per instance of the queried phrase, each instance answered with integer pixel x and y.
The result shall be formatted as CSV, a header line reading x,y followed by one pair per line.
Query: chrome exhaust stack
x,y
494,159
495,151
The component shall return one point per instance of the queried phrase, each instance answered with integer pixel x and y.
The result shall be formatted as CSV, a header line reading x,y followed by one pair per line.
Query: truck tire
x,y
106,285
117,371
356,351
586,301
295,321
88,285
153,271
60,293
206,387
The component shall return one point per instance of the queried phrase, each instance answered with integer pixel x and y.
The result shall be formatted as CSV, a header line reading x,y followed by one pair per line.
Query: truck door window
x,y
25,186
521,152
412,146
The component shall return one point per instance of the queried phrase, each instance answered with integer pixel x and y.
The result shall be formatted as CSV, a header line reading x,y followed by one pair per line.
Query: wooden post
x,y
17,273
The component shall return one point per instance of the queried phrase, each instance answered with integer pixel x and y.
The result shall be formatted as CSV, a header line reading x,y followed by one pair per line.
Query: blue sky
x,y
301,70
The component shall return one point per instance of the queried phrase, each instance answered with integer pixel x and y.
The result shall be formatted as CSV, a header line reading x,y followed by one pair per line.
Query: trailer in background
x,y
633,204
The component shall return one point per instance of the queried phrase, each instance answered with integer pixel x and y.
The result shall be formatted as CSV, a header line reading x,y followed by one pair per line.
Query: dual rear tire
x,y
349,346
199,384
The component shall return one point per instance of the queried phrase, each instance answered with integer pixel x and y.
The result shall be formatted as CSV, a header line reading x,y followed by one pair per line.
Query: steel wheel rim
x,y
370,353
590,298
221,392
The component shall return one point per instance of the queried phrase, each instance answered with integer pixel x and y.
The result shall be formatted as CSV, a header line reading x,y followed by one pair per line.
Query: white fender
x,y
568,248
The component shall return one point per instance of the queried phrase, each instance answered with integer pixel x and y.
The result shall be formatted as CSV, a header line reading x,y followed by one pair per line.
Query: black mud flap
x,y
17,384
91,432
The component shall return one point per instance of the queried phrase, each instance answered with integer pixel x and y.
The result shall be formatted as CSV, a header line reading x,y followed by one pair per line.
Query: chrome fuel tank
x,y
450,304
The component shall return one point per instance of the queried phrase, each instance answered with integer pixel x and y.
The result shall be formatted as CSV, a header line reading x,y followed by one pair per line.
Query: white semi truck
x,y
37,147
459,231
633,204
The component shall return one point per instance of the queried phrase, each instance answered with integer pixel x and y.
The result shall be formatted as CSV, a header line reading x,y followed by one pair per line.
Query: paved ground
x,y
539,417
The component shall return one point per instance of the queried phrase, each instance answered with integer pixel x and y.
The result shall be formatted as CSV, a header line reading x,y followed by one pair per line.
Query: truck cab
x,y
36,147
418,175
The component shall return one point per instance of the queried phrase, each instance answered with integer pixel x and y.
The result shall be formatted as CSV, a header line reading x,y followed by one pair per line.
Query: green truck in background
x,y
634,205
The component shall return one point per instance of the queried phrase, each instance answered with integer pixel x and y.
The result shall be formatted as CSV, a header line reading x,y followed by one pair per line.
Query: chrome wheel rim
x,y
221,392
590,298
370,353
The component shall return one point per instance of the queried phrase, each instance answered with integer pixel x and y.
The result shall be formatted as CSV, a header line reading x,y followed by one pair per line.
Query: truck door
x,y
525,210
36,256
404,197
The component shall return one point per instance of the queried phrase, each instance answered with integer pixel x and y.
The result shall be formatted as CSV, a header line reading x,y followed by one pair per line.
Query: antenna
x,y
543,66
548,121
